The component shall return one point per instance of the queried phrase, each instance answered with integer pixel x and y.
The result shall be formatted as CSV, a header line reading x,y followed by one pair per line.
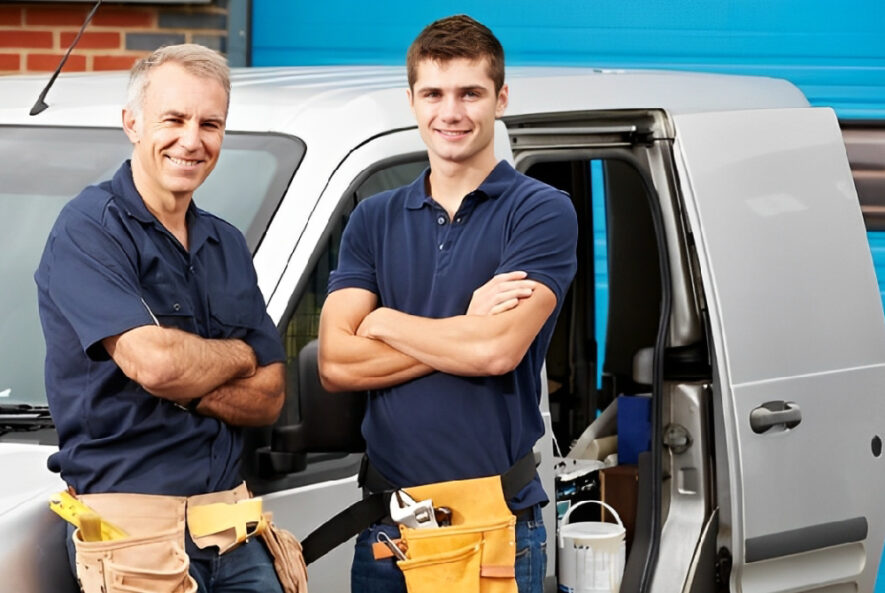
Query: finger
x,y
505,306
509,276
517,293
517,285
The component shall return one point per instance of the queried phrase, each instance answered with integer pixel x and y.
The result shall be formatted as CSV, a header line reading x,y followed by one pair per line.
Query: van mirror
x,y
328,422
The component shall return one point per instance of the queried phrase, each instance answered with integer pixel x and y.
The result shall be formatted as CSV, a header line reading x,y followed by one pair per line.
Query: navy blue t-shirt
x,y
401,245
110,266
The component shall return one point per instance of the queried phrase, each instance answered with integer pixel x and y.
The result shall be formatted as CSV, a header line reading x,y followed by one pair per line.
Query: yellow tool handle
x,y
92,527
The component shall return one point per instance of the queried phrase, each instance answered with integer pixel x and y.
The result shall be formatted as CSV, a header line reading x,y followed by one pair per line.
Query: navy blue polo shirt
x,y
110,266
402,246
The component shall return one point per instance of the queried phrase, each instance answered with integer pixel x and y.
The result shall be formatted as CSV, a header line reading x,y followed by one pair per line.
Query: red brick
x,y
18,38
49,62
55,16
120,17
10,16
9,62
113,62
95,40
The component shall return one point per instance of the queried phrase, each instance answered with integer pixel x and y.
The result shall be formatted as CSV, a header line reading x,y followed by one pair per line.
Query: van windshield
x,y
44,167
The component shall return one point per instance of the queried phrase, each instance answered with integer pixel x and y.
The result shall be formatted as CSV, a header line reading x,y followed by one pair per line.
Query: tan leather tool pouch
x,y
226,519
151,559
287,557
475,554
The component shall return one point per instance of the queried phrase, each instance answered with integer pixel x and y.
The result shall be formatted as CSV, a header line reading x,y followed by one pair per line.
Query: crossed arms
x,y
180,366
364,347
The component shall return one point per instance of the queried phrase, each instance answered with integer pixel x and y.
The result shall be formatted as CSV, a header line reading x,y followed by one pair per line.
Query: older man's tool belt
x,y
146,550
376,505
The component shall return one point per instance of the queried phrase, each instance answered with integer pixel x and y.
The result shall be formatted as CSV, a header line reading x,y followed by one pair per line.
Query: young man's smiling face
x,y
177,133
455,105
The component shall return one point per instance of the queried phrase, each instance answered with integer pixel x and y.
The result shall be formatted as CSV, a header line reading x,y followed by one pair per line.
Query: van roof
x,y
368,100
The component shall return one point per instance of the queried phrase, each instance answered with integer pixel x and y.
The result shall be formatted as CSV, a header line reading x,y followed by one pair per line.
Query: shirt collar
x,y
199,227
494,185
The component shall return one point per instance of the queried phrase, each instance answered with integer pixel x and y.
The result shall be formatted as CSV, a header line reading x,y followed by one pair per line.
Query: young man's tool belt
x,y
475,553
152,555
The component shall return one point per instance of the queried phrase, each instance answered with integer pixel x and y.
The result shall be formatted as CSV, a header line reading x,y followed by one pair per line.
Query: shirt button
x,y
176,307
458,219
441,220
191,268
440,246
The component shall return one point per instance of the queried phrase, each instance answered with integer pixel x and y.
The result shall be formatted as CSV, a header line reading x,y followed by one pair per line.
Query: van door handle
x,y
771,414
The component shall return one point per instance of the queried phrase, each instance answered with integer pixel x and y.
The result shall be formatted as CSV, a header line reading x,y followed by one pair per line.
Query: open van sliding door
x,y
795,324
633,280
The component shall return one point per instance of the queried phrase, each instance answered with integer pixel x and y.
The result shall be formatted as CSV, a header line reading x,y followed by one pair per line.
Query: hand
x,y
365,328
502,293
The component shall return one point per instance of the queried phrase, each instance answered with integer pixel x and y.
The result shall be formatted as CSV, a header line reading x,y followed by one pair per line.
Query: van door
x,y
796,331
304,475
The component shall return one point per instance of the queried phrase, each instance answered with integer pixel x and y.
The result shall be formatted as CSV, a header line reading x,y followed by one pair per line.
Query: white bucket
x,y
591,554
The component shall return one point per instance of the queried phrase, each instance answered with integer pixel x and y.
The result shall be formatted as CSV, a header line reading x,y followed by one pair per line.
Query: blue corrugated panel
x,y
600,262
877,246
836,56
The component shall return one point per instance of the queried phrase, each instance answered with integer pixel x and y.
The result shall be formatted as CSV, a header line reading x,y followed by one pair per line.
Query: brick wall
x,y
34,37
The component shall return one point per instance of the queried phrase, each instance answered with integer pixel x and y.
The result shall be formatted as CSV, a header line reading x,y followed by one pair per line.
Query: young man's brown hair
x,y
457,36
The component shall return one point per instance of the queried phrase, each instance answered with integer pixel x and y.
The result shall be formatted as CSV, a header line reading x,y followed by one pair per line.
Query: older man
x,y
158,347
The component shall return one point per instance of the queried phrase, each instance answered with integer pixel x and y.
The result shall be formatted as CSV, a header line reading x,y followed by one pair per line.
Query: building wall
x,y
34,37
834,52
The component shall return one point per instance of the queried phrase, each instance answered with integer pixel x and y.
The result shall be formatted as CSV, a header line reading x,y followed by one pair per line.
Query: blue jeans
x,y
368,575
246,569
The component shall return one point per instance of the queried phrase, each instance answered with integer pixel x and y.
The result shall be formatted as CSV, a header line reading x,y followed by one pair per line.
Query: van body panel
x,y
775,196
797,331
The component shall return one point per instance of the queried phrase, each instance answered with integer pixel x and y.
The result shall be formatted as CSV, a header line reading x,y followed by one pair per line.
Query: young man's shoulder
x,y
529,187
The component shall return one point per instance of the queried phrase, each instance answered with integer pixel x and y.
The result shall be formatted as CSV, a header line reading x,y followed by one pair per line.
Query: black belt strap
x,y
376,506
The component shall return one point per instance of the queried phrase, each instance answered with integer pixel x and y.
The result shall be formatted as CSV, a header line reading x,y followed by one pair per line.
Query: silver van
x,y
724,275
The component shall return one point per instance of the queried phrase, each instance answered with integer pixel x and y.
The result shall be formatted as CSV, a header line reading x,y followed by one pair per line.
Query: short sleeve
x,y
92,281
263,337
543,241
356,261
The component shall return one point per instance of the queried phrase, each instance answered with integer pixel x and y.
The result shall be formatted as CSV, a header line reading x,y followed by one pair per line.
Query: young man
x,y
445,298
158,346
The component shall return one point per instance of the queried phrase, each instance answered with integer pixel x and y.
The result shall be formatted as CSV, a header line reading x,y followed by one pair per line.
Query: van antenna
x,y
41,105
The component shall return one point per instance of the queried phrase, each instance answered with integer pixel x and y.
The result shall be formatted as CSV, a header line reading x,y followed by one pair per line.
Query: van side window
x,y
303,326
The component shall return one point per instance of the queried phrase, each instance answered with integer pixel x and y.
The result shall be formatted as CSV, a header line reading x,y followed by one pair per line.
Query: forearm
x,y
252,401
348,362
467,345
178,365
355,363
461,345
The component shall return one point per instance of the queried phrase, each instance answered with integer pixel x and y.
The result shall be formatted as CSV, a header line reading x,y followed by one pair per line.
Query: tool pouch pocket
x,y
148,564
151,559
476,554
457,569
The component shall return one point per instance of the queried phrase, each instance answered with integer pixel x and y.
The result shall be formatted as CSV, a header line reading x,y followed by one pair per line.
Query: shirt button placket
x,y
441,222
